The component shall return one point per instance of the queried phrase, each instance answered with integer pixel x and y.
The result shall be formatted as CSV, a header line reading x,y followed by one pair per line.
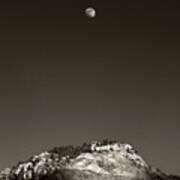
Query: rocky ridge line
x,y
104,159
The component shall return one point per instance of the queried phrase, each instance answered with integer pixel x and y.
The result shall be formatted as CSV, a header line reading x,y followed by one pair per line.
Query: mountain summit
x,y
106,160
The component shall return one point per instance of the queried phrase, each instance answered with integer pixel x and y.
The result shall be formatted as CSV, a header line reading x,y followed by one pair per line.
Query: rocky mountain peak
x,y
96,161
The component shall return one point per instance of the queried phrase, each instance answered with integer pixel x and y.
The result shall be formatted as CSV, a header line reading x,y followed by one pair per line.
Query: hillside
x,y
106,160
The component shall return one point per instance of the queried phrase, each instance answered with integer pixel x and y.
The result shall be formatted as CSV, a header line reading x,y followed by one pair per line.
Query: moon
x,y
90,12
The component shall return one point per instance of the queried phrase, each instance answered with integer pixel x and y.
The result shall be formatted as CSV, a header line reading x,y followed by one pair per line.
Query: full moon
x,y
90,12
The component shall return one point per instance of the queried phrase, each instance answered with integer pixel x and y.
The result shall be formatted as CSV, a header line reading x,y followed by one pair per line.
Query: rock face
x,y
107,160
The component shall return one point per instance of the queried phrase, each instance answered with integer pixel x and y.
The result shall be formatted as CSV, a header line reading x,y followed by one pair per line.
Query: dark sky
x,y
66,78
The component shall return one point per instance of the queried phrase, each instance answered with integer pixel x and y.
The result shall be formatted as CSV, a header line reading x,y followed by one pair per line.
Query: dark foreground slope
x,y
107,160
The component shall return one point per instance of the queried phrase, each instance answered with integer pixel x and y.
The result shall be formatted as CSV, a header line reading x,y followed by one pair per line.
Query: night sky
x,y
66,78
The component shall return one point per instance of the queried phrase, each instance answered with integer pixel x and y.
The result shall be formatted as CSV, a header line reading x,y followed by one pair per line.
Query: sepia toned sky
x,y
67,79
